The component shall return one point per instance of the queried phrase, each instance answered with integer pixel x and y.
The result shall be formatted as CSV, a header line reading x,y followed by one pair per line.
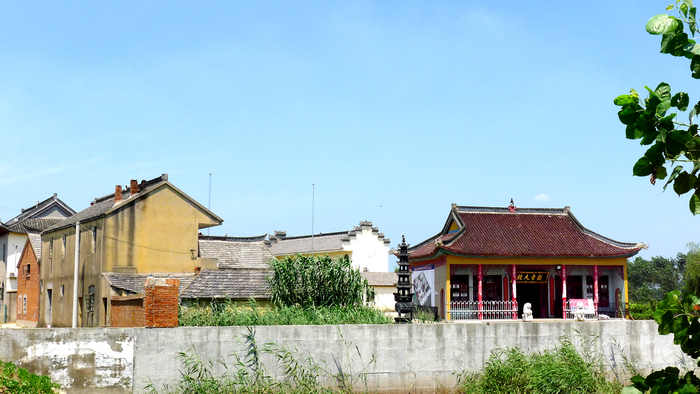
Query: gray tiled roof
x,y
235,252
133,283
231,283
384,279
35,240
41,207
322,243
89,213
30,225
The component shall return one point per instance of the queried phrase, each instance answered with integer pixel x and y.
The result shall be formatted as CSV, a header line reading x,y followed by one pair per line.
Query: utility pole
x,y
313,197
76,273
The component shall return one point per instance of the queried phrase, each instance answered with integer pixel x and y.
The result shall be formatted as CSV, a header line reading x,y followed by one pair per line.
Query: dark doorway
x,y
536,295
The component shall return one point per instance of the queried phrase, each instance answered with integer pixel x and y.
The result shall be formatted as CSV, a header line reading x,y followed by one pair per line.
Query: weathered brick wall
x,y
156,307
128,311
28,285
161,302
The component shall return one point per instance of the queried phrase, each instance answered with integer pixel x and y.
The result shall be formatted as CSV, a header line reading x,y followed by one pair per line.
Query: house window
x,y
64,245
27,270
460,288
24,304
51,250
94,239
63,290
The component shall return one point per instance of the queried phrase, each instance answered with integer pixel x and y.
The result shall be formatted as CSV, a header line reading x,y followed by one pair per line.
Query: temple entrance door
x,y
532,293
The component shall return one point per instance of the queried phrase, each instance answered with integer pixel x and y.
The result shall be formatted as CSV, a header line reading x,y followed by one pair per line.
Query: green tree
x,y
650,280
306,282
673,145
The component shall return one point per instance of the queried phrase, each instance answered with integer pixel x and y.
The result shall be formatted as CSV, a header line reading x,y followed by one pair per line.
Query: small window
x,y
51,249
63,290
64,243
27,270
24,304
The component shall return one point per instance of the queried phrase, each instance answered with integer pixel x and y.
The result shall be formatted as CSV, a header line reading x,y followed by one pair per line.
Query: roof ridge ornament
x,y
512,206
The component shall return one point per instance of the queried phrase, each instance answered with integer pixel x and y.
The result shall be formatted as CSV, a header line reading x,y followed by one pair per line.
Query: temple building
x,y
486,263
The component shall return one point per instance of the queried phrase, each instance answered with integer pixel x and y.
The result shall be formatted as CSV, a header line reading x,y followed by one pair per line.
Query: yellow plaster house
x,y
150,227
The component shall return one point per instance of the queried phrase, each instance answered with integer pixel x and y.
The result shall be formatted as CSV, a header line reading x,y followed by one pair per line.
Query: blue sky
x,y
394,110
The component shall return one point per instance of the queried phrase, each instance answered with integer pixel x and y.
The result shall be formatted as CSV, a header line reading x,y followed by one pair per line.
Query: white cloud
x,y
542,197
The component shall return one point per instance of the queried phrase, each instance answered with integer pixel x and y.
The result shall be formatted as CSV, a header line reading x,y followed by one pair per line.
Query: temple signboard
x,y
532,277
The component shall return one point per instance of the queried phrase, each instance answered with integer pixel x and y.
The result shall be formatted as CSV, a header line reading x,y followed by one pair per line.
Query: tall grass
x,y
563,369
251,314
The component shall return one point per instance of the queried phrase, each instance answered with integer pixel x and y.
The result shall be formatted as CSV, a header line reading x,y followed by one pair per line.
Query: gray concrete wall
x,y
418,357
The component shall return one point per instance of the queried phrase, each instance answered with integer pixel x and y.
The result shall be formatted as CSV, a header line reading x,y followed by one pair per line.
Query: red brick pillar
x,y
161,302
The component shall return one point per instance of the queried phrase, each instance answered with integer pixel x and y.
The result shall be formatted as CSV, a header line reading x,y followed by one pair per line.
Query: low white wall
x,y
414,357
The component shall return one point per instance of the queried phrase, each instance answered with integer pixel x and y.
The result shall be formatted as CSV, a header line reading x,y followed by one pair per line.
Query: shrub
x,y
561,370
643,310
14,380
317,281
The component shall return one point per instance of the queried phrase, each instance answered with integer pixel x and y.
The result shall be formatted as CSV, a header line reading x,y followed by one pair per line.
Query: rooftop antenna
x,y
313,198
209,207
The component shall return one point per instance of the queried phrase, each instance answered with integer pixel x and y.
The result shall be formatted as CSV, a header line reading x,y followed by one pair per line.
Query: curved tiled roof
x,y
497,232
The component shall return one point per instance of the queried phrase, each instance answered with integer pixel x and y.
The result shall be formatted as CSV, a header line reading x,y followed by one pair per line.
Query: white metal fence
x,y
484,310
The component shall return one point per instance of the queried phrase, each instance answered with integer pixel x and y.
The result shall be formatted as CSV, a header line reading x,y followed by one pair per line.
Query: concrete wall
x,y
408,357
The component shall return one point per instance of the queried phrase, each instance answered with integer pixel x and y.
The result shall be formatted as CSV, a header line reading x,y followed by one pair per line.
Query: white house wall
x,y
369,252
15,244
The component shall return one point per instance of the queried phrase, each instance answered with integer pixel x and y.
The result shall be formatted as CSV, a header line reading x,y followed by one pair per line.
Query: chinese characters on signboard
x,y
532,277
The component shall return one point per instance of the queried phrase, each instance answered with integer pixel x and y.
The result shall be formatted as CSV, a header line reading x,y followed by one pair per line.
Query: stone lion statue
x,y
527,312
580,314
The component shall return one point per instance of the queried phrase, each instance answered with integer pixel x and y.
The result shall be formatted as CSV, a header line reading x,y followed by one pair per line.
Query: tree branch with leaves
x,y
673,144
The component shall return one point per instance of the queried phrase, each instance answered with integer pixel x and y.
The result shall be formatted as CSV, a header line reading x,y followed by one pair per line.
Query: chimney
x,y
117,193
134,187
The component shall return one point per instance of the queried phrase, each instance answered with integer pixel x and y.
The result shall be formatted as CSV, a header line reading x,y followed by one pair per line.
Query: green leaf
x,y
673,43
684,183
695,67
684,9
643,167
628,115
655,154
661,172
680,100
692,47
663,91
694,204
676,142
677,170
661,24
692,23
626,99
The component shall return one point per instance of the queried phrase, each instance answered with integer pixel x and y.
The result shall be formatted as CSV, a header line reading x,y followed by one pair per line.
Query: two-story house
x,y
147,228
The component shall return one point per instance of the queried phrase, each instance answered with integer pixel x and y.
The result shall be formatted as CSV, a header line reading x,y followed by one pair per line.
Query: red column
x,y
515,296
480,277
563,290
595,288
